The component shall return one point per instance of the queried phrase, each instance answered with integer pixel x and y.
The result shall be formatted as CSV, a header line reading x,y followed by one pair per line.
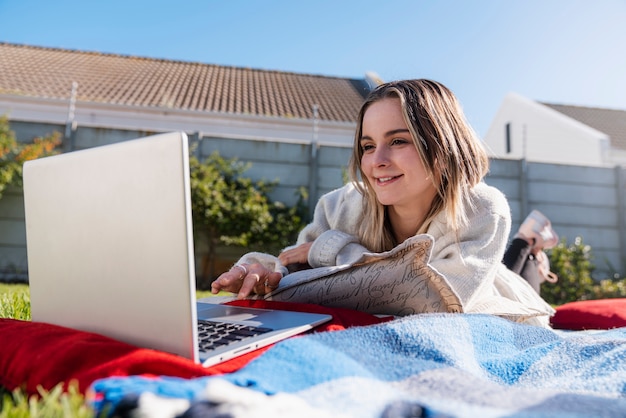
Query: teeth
x,y
384,179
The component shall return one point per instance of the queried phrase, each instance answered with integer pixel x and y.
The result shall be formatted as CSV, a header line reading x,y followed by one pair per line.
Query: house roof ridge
x,y
579,106
179,61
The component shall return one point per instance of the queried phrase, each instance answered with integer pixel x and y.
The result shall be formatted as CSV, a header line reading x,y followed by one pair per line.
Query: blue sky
x,y
558,51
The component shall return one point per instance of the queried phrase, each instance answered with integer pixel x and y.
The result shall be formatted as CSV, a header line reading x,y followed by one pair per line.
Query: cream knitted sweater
x,y
470,259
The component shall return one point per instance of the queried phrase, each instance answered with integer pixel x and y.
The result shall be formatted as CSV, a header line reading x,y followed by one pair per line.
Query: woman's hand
x,y
297,255
245,279
296,258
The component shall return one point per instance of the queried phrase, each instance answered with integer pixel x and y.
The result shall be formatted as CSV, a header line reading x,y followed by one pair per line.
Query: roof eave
x,y
161,119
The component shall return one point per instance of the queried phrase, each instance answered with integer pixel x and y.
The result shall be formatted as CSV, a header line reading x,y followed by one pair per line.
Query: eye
x,y
367,147
399,141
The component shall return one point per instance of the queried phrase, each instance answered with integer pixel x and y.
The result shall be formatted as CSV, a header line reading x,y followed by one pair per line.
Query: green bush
x,y
13,153
609,288
573,264
231,209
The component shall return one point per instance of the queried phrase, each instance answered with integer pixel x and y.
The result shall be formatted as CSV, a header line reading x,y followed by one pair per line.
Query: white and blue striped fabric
x,y
439,365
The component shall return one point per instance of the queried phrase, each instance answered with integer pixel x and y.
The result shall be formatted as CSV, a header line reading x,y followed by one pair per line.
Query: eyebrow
x,y
387,134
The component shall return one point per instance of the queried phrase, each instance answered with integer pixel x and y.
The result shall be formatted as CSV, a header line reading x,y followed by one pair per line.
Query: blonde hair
x,y
450,150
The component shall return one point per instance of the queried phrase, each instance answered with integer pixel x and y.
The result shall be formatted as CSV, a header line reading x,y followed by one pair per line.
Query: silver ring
x,y
267,284
244,269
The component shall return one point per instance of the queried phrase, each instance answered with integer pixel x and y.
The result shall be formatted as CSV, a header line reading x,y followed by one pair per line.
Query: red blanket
x,y
36,354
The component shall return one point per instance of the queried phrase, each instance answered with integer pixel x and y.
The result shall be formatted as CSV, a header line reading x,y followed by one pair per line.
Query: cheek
x,y
366,165
415,165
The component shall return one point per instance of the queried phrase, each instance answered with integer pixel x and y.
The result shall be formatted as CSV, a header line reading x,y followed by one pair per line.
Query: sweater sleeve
x,y
470,258
339,209
334,227
333,232
334,248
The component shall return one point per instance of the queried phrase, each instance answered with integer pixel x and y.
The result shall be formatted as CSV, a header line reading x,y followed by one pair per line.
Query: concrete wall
x,y
321,169
580,200
13,262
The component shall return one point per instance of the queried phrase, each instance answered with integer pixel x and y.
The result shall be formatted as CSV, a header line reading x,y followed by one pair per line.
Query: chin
x,y
385,202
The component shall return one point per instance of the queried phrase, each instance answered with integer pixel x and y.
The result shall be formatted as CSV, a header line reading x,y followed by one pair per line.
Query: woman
x,y
421,168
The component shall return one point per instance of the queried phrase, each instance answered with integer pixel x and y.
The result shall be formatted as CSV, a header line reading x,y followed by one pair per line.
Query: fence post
x,y
195,144
620,184
523,189
313,162
313,186
71,124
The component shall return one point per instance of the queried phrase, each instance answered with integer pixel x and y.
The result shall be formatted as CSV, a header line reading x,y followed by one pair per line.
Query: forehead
x,y
385,113
385,104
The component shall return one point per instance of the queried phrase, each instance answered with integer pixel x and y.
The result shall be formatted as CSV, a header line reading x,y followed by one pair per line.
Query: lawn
x,y
14,301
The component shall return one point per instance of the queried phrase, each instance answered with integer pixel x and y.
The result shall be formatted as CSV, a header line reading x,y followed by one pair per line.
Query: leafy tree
x,y
230,209
13,154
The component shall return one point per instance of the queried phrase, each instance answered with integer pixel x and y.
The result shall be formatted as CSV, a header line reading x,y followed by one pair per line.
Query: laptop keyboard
x,y
212,335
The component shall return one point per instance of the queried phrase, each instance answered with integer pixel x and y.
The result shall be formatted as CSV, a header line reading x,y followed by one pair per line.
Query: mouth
x,y
381,181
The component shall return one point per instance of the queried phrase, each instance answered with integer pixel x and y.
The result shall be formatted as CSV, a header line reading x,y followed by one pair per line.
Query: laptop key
x,y
215,334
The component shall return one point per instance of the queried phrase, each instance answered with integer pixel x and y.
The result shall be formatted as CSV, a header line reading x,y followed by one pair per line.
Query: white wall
x,y
162,119
616,157
542,134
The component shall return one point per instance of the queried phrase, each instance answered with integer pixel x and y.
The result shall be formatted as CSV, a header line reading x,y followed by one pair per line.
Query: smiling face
x,y
391,162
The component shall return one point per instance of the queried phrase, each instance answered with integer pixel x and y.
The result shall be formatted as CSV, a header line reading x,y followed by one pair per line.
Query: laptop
x,y
110,250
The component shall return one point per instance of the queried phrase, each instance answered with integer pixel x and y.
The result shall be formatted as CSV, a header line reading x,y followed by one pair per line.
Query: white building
x,y
551,133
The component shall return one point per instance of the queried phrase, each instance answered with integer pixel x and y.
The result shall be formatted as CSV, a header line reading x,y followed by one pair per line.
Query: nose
x,y
381,157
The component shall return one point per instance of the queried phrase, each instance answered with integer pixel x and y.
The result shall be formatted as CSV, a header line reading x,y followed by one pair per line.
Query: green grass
x,y
15,303
15,300
53,403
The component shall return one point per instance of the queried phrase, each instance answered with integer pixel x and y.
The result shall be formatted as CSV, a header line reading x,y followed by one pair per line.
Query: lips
x,y
385,180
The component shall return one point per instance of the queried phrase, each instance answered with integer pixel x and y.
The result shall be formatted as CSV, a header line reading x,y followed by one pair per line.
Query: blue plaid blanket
x,y
443,365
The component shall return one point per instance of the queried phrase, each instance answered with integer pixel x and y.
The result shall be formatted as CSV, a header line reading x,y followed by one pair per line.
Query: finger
x,y
219,283
285,258
229,281
299,255
271,281
249,284
255,273
259,287
225,283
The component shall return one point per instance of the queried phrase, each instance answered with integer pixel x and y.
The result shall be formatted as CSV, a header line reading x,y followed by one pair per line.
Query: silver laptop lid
x,y
109,232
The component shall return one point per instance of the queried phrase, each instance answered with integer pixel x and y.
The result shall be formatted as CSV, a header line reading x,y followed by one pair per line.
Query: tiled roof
x,y
138,81
609,121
